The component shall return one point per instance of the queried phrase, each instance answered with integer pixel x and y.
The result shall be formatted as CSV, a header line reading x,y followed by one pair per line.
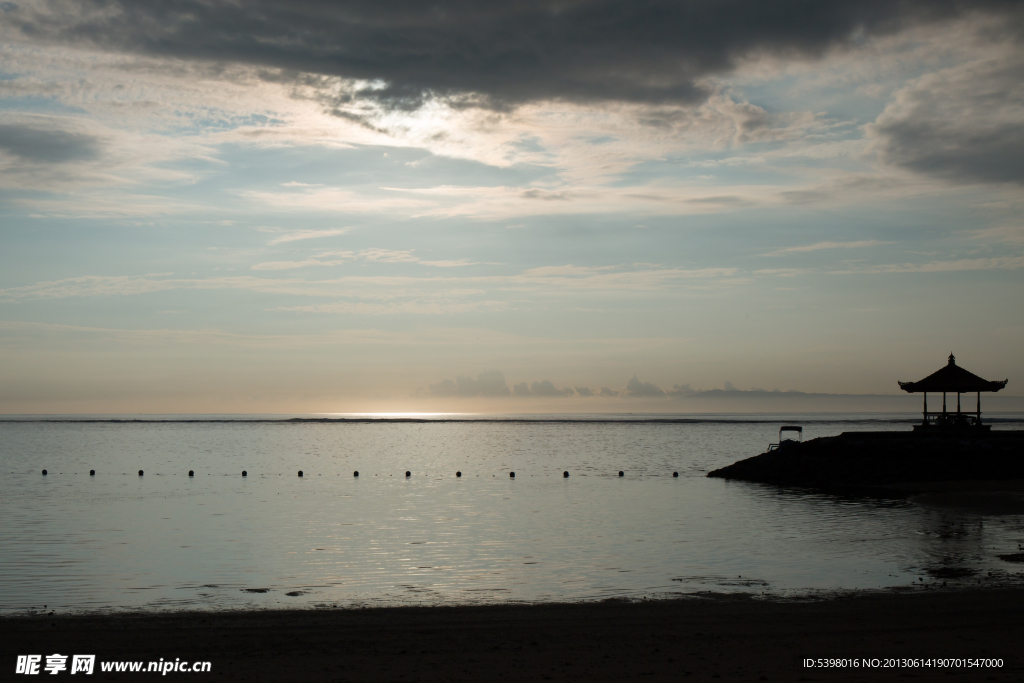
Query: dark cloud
x,y
546,388
964,123
732,392
495,54
584,391
541,388
679,390
43,145
609,393
639,389
490,383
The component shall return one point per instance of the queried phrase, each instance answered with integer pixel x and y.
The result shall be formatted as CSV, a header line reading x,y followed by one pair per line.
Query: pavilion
x,y
949,379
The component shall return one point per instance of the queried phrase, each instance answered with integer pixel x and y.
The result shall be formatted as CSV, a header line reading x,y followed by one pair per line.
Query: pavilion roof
x,y
952,378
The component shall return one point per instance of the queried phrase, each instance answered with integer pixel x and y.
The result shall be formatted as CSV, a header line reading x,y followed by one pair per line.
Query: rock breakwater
x,y
858,460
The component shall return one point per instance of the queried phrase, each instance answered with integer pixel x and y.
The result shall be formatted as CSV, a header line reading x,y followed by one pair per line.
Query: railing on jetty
x,y
956,422
787,428
951,419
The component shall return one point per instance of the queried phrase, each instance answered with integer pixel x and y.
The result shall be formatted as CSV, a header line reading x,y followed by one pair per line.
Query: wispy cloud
x,y
818,246
297,235
409,307
388,255
562,279
994,263
375,255
292,265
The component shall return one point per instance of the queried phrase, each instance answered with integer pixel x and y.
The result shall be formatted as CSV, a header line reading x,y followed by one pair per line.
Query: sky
x,y
270,206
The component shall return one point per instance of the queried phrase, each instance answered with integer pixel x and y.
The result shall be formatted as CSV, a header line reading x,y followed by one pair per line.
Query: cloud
x,y
636,388
964,124
817,246
546,388
542,388
337,258
488,384
390,287
457,263
47,145
679,390
993,263
412,306
496,55
292,265
388,256
297,235
584,391
610,393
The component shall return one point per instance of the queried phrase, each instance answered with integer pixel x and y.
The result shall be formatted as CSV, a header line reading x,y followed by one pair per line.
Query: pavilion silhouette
x,y
952,378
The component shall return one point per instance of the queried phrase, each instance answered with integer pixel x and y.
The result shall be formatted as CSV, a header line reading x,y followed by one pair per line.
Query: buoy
x,y
191,473
458,474
408,473
140,473
510,474
300,473
92,473
44,472
244,473
675,474
621,473
356,473
565,475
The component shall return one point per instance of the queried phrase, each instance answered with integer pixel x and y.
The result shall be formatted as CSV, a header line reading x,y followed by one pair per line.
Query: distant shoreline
x,y
416,420
844,417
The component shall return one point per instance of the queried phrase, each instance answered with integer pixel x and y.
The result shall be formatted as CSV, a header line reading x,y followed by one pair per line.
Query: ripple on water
x,y
218,540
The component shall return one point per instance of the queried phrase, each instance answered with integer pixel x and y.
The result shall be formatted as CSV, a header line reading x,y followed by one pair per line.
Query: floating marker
x,y
408,473
565,475
191,473
621,473
140,473
244,473
675,474
92,473
458,474
300,473
44,472
356,473
510,474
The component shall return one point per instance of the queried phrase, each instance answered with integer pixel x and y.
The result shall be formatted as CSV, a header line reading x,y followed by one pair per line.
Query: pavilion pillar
x,y
958,403
925,423
943,403
979,407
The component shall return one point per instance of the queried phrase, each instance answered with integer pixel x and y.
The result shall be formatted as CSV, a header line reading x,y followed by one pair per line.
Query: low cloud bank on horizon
x,y
492,384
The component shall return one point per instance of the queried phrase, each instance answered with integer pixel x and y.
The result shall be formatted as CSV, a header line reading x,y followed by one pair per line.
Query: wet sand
x,y
722,638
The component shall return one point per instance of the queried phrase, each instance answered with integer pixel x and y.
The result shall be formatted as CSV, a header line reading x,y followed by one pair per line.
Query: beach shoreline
x,y
698,637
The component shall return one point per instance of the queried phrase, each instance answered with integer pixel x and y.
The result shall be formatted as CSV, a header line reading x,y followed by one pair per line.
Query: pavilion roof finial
x,y
952,358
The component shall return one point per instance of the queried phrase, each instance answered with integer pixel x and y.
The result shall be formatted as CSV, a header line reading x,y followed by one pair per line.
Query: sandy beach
x,y
728,638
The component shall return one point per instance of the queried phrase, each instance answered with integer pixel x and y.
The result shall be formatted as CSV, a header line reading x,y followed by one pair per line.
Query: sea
x,y
425,510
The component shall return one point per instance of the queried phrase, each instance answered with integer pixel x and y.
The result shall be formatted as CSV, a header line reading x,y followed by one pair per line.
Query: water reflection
x,y
217,540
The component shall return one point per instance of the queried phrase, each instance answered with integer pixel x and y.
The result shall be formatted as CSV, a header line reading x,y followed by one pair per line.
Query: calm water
x,y
116,540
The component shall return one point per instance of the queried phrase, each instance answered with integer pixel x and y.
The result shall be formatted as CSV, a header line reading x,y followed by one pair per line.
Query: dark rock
x,y
868,459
